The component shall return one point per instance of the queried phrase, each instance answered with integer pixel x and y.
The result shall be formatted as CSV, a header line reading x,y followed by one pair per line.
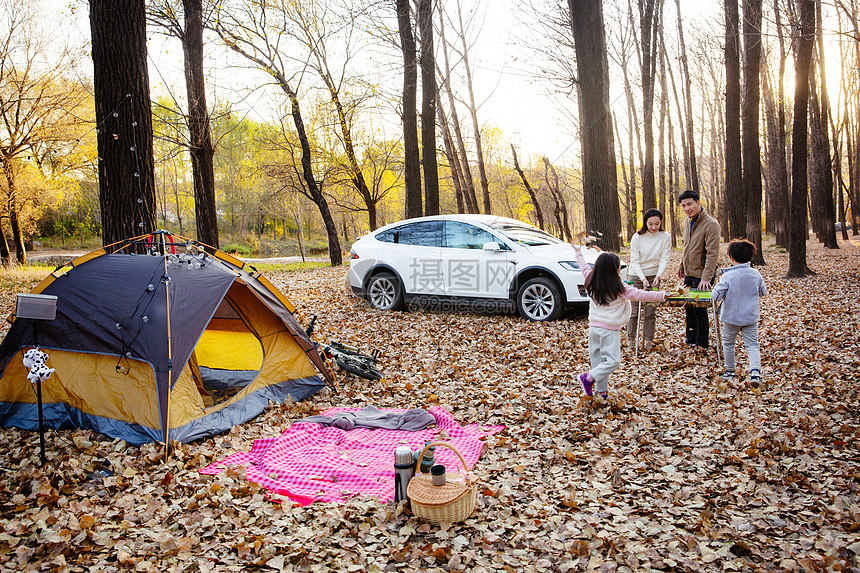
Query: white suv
x,y
482,261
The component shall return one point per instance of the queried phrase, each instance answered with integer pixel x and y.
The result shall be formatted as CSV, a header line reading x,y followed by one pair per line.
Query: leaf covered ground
x,y
679,471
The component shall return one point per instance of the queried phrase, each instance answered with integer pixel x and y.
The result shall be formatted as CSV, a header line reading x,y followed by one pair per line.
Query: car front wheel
x,y
539,299
384,292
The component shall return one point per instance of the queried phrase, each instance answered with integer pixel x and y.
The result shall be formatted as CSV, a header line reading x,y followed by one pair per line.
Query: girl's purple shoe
x,y
587,385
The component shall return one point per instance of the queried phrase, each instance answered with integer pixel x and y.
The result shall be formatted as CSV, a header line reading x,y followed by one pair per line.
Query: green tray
x,y
702,294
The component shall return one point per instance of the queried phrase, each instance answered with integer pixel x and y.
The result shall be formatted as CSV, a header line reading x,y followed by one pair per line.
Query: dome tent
x,y
178,344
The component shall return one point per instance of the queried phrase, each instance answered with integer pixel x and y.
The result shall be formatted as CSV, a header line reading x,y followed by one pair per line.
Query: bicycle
x,y
349,358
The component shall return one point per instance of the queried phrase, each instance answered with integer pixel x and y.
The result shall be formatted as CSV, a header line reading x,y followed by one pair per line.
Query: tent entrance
x,y
227,357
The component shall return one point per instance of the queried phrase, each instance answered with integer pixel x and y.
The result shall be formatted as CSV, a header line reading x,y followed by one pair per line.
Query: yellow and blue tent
x,y
159,338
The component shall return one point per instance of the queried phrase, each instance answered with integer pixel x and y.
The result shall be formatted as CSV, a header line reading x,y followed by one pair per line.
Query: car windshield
x,y
525,234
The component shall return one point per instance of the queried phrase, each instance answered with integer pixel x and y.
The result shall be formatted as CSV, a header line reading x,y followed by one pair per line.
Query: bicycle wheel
x,y
359,369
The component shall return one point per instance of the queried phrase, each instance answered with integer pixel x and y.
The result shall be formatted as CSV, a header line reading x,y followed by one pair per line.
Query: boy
x,y
740,288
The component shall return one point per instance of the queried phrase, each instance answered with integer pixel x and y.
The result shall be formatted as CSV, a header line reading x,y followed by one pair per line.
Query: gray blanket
x,y
373,418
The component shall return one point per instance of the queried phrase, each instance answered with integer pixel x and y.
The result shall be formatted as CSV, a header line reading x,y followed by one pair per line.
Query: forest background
x,y
508,128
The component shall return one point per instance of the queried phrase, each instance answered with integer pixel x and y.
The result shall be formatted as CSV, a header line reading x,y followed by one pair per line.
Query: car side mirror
x,y
492,246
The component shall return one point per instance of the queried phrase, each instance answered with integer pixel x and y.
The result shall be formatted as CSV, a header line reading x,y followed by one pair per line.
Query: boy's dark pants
x,y
697,319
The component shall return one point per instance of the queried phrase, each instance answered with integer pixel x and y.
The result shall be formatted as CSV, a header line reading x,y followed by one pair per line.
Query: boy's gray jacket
x,y
740,286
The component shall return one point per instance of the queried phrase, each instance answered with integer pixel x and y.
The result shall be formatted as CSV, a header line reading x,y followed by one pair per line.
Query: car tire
x,y
540,299
384,292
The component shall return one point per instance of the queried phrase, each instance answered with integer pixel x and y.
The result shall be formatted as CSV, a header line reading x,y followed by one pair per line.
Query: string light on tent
x,y
141,312
133,148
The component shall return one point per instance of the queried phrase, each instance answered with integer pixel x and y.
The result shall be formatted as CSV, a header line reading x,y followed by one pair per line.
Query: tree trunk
x,y
684,146
631,101
632,209
661,124
177,202
4,246
532,195
630,221
334,250
469,194
840,180
797,266
300,237
372,216
855,172
819,166
781,196
453,159
412,157
776,166
556,203
719,197
676,186
561,204
852,178
17,235
599,178
632,202
200,138
649,22
313,189
690,149
473,111
828,230
124,117
751,146
13,208
356,175
713,160
735,193
428,108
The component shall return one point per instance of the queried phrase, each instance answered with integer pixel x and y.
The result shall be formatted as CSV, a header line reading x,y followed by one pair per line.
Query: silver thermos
x,y
404,469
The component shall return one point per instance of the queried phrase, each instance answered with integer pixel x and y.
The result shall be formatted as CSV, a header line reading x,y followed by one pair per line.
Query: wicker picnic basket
x,y
449,503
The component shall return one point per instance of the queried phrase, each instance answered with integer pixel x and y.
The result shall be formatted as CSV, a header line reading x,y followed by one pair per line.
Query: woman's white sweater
x,y
649,254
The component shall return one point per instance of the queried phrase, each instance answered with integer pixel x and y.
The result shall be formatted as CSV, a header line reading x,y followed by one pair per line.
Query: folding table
x,y
694,298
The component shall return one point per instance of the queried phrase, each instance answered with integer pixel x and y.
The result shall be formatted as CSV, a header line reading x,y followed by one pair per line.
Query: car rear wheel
x,y
385,293
539,299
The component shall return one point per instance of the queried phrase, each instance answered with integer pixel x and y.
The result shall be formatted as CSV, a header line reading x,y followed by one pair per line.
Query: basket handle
x,y
450,447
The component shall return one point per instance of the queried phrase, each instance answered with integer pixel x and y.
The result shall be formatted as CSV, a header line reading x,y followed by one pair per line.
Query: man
x,y
698,261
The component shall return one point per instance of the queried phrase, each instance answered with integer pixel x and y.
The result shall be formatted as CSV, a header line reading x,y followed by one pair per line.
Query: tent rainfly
x,y
180,343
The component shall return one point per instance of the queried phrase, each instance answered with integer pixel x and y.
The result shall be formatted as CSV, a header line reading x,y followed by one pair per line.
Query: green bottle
x,y
427,461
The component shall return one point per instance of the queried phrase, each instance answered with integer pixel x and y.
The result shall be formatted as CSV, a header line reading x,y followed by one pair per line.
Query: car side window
x,y
459,235
386,236
423,234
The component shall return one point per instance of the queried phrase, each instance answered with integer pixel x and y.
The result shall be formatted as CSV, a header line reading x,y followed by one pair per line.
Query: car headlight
x,y
569,265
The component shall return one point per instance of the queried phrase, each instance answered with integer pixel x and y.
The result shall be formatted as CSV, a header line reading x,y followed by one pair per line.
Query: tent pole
x,y
169,356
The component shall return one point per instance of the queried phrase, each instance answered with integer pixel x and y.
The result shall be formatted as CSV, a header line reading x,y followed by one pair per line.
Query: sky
x,y
508,97
536,120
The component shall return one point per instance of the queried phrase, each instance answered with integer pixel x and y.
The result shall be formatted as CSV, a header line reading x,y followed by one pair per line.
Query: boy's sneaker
x,y
755,378
587,385
729,375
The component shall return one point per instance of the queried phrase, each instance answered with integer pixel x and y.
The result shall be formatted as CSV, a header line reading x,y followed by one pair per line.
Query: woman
x,y
649,256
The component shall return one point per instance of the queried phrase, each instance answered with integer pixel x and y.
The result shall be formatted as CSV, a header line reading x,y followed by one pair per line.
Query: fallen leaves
x,y
679,470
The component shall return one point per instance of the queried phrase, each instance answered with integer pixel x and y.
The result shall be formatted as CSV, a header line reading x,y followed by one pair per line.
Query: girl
x,y
608,311
649,256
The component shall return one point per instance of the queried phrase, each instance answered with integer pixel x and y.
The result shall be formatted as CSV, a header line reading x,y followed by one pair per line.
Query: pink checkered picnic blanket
x,y
311,462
